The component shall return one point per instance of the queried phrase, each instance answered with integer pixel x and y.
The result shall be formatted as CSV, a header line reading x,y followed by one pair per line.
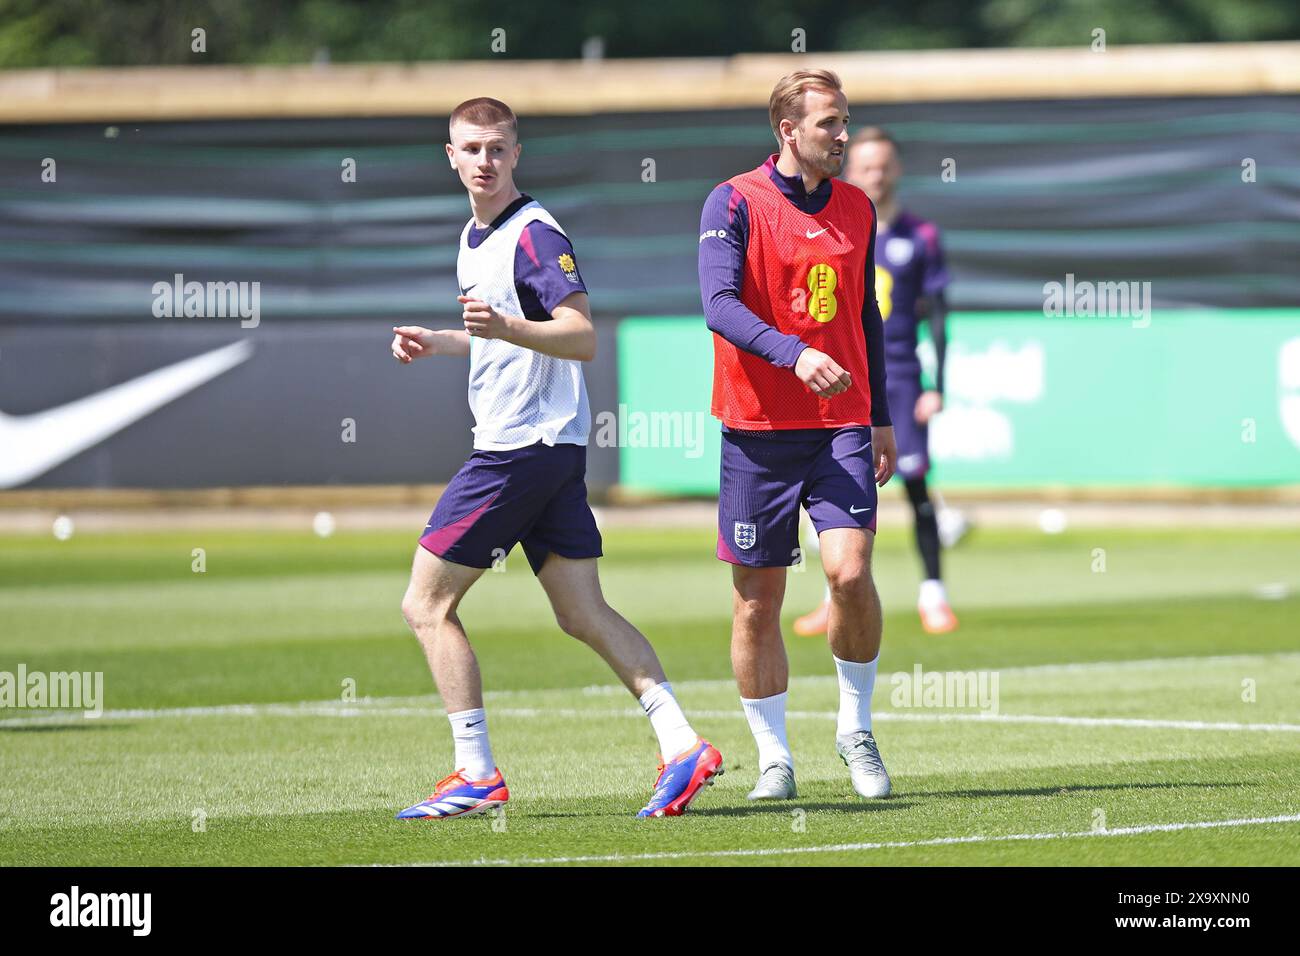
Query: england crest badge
x,y
746,535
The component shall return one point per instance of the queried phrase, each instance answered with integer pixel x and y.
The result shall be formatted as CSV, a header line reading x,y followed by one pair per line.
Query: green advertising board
x,y
1183,399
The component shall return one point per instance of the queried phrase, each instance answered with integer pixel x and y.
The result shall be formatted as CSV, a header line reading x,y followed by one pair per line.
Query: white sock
x,y
857,681
766,716
473,752
932,593
667,720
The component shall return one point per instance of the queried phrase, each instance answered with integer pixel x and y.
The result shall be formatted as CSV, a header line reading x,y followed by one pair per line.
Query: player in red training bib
x,y
910,281
786,275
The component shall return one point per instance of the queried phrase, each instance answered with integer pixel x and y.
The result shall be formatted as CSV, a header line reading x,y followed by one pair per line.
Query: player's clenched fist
x,y
821,373
411,342
481,320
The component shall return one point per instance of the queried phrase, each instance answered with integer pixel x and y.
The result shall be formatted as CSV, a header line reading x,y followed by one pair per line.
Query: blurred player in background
x,y
910,281
786,277
527,329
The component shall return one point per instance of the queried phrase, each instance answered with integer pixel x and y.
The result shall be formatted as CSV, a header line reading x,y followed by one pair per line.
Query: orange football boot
x,y
937,618
815,622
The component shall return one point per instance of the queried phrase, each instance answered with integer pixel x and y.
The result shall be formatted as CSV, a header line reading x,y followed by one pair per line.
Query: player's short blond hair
x,y
786,101
485,111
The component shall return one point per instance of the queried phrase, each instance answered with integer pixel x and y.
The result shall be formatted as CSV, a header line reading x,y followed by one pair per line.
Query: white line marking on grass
x,y
978,718
422,704
1149,663
429,704
304,709
855,847
889,715
1069,667
376,708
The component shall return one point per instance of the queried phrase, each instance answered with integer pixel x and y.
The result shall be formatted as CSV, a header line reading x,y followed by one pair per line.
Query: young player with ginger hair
x,y
527,329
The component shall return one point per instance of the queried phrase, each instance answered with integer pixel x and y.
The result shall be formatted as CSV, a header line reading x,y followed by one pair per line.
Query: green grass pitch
x,y
1148,713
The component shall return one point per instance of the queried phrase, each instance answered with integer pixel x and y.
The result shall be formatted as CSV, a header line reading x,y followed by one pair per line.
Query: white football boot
x,y
776,782
860,754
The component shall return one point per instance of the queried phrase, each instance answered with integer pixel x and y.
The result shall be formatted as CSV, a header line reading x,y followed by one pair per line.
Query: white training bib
x,y
519,397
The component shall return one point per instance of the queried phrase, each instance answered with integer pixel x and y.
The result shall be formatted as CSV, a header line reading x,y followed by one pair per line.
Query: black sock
x,y
927,526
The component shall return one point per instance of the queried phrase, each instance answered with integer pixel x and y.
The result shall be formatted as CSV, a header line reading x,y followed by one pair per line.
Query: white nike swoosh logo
x,y
31,445
814,235
855,511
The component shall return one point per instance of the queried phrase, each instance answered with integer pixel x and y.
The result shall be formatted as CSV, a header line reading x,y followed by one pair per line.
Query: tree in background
x,y
43,33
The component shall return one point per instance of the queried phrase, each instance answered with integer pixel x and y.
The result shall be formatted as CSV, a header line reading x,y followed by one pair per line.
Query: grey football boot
x,y
776,782
860,754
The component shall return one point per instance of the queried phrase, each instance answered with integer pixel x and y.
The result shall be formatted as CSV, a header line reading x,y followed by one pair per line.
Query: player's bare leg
x,y
757,650
763,674
689,762
855,622
573,586
854,636
429,606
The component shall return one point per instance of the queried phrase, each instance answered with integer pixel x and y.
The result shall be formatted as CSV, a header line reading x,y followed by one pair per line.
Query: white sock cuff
x,y
655,694
474,714
842,663
778,699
